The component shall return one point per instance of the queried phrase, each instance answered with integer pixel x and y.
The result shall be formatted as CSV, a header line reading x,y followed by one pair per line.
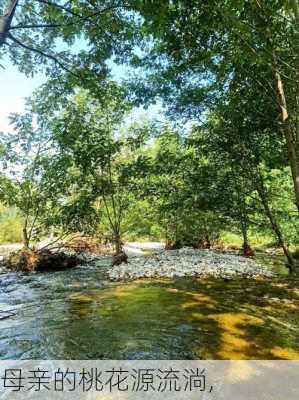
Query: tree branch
x,y
33,26
84,17
43,54
5,20
66,9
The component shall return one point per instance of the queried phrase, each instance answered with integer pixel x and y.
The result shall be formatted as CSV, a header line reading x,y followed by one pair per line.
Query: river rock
x,y
188,262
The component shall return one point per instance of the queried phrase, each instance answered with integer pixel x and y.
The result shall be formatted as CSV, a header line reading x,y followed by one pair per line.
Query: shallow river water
x,y
78,314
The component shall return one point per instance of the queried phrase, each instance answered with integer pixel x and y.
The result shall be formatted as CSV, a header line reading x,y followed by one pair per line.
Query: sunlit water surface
x,y
78,314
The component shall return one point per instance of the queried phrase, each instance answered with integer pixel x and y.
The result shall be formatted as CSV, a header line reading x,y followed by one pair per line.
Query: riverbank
x,y
188,262
150,260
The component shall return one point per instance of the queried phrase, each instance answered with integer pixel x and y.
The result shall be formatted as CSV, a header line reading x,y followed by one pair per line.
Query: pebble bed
x,y
188,262
175,263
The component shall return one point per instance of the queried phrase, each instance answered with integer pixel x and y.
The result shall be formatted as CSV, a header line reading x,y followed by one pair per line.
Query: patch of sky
x,y
16,86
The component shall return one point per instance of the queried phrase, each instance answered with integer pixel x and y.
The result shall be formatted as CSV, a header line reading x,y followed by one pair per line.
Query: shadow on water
x,y
79,315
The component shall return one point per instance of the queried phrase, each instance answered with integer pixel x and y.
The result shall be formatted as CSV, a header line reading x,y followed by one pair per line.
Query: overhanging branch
x,y
43,54
80,16
34,26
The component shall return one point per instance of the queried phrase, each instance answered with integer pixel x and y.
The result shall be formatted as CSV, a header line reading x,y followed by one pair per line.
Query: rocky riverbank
x,y
154,262
188,262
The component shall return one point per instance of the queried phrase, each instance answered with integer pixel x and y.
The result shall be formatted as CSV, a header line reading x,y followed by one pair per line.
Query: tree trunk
x,y
117,244
25,238
244,234
5,20
207,242
247,250
295,7
290,137
120,256
293,158
276,229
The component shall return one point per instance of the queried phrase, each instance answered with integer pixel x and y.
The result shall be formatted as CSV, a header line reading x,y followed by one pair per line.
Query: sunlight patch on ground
x,y
234,344
199,299
285,353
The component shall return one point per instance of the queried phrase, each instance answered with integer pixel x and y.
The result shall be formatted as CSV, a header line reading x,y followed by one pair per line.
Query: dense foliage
x,y
225,158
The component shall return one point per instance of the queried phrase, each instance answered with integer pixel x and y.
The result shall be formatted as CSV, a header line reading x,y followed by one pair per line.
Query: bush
x,y
11,224
296,254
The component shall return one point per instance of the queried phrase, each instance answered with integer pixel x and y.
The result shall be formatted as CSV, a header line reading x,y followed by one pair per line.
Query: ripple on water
x,y
79,315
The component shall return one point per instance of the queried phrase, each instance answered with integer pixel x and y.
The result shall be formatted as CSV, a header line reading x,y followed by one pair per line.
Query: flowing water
x,y
78,314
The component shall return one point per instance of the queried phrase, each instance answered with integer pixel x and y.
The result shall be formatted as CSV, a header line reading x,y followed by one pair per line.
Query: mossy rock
x,y
27,260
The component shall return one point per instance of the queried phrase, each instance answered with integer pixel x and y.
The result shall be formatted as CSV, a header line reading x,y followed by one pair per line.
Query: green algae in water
x,y
77,315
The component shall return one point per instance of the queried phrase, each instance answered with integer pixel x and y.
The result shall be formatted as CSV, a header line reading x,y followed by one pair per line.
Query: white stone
x,y
188,262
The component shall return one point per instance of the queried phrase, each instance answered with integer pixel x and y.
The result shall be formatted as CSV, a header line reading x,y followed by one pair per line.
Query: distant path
x,y
137,249
8,248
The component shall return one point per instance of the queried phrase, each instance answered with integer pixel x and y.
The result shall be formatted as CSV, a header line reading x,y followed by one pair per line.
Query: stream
x,y
79,314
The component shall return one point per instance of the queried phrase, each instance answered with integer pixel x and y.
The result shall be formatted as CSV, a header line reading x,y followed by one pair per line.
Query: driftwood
x,y
27,260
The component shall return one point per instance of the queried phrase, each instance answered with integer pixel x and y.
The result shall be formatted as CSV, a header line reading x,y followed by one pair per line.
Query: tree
x,y
66,36
227,193
89,136
176,185
240,141
27,182
199,48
